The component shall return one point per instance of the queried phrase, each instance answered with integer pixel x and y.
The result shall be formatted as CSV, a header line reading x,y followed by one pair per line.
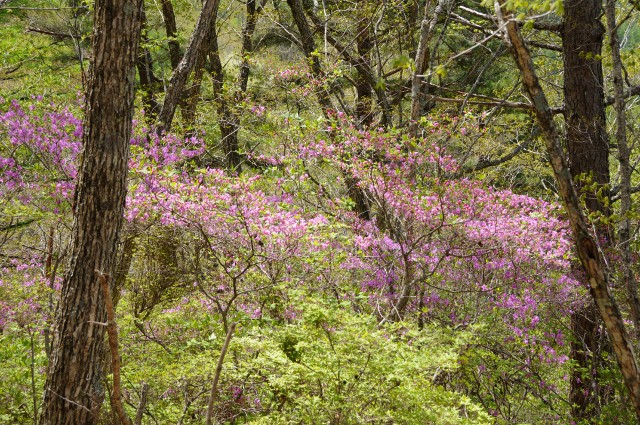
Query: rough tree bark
x,y
73,391
588,156
586,245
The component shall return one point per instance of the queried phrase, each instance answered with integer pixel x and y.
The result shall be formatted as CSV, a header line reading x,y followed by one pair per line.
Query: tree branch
x,y
588,252
112,331
216,377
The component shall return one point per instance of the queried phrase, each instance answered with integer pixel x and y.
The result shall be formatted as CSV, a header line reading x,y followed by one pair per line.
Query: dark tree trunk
x,y
190,94
356,194
187,64
309,47
364,92
584,111
148,81
73,390
247,43
588,252
169,17
227,118
588,157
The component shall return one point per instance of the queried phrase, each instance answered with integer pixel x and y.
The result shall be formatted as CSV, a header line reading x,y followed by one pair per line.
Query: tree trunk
x,y
169,18
419,91
364,44
227,118
309,48
624,153
148,81
588,157
187,63
73,390
584,110
588,252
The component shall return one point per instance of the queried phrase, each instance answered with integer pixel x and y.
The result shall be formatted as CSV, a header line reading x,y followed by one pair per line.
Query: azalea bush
x,y
446,292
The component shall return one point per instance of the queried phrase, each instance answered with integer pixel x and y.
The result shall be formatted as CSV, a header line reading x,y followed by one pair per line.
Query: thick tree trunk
x,y
588,157
588,252
73,390
584,110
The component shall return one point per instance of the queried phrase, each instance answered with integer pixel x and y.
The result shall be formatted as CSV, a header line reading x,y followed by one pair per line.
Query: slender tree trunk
x,y
624,153
253,11
309,47
189,97
73,391
227,118
364,69
148,81
588,252
419,91
588,157
169,18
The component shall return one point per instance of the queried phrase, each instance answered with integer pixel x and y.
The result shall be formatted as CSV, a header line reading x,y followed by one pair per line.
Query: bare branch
x,y
112,331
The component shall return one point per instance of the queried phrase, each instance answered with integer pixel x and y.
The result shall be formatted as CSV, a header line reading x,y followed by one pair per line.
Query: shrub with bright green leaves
x,y
325,364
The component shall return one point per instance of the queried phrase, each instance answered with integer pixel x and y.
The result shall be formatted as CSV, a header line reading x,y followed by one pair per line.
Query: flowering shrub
x,y
242,248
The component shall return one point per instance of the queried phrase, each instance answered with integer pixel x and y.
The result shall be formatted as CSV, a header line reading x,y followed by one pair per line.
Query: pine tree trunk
x,y
589,255
588,156
73,390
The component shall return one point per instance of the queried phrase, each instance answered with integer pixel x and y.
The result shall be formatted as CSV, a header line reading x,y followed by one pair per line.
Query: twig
x,y
143,401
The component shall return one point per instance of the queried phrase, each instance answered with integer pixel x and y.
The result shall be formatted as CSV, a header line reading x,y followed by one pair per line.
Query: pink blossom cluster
x,y
448,249
452,247
38,151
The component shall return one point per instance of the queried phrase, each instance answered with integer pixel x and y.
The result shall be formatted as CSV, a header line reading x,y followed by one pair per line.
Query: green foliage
x,y
23,359
325,365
